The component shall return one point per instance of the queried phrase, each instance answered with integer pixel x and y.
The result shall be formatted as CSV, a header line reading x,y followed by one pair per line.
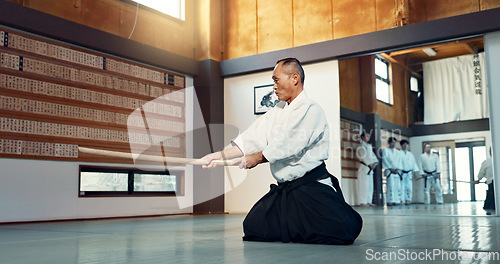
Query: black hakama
x,y
304,211
489,203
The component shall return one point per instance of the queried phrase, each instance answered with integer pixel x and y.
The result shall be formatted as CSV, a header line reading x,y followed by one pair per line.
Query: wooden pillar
x,y
373,125
368,95
209,183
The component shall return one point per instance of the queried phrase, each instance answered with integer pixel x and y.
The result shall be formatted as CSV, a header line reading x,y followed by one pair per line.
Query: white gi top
x,y
486,170
430,163
365,154
391,159
293,137
408,161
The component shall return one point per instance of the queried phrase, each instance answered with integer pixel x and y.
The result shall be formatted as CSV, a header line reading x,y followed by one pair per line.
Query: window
x,y
99,181
382,82
414,84
174,8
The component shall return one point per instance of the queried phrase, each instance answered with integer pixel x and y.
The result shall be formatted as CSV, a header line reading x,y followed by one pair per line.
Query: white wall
x,y
37,190
417,150
492,50
321,85
34,190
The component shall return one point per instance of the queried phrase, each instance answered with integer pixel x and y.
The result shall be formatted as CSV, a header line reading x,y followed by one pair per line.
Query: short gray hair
x,y
295,66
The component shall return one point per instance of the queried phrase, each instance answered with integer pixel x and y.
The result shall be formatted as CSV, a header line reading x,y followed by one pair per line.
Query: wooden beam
x,y
468,47
435,46
391,59
406,51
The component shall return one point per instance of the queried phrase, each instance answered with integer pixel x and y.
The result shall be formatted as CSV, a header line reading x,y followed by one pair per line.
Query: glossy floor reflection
x,y
217,239
447,209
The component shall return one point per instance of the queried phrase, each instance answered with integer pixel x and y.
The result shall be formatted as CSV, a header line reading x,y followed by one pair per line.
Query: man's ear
x,y
295,77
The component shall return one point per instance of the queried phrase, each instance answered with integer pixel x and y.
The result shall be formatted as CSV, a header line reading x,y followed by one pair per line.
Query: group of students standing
x,y
400,167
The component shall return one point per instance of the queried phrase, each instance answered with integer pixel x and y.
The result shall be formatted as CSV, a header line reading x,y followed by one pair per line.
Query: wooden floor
x,y
217,239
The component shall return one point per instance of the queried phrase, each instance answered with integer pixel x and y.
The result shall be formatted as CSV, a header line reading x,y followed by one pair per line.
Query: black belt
x,y
405,172
315,174
400,176
367,166
428,174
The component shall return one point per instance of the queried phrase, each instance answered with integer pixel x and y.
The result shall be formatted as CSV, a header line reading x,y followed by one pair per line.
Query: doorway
x,y
446,152
468,157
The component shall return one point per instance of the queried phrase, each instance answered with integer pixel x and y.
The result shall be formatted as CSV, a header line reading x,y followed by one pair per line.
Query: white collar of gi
x,y
302,95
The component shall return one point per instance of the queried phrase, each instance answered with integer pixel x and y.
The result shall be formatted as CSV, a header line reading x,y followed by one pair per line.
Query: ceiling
x,y
413,58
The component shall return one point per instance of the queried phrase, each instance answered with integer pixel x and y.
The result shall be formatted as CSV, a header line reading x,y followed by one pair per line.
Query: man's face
x,y
392,144
366,138
427,149
404,146
284,84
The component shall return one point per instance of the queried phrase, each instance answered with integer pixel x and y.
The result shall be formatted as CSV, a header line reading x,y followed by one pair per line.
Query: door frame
x,y
470,145
447,198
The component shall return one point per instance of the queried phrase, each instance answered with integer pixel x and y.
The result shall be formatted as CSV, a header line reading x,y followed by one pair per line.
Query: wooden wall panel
x,y
99,14
144,29
63,8
416,11
240,28
202,29
353,17
215,51
349,82
448,8
117,17
181,43
386,14
367,81
309,28
253,26
208,30
274,25
489,4
127,18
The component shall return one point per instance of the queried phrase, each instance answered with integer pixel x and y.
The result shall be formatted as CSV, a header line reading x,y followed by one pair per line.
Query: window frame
x,y
131,2
387,81
179,188
418,84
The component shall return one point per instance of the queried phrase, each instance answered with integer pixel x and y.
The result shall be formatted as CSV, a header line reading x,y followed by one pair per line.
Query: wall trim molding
x,y
351,115
420,130
452,127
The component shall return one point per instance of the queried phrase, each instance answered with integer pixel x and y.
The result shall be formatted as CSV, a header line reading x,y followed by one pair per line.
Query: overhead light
x,y
429,51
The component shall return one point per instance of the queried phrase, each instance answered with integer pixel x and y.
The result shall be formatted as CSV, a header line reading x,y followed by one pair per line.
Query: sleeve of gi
x,y
254,139
438,163
305,129
482,171
387,159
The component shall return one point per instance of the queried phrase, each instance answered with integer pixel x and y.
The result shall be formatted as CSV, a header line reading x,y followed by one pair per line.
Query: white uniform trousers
x,y
407,187
393,188
436,184
365,185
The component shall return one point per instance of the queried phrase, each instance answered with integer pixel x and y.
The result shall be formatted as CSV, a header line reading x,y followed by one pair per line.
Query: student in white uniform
x,y
409,168
486,171
431,173
307,205
391,161
367,163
